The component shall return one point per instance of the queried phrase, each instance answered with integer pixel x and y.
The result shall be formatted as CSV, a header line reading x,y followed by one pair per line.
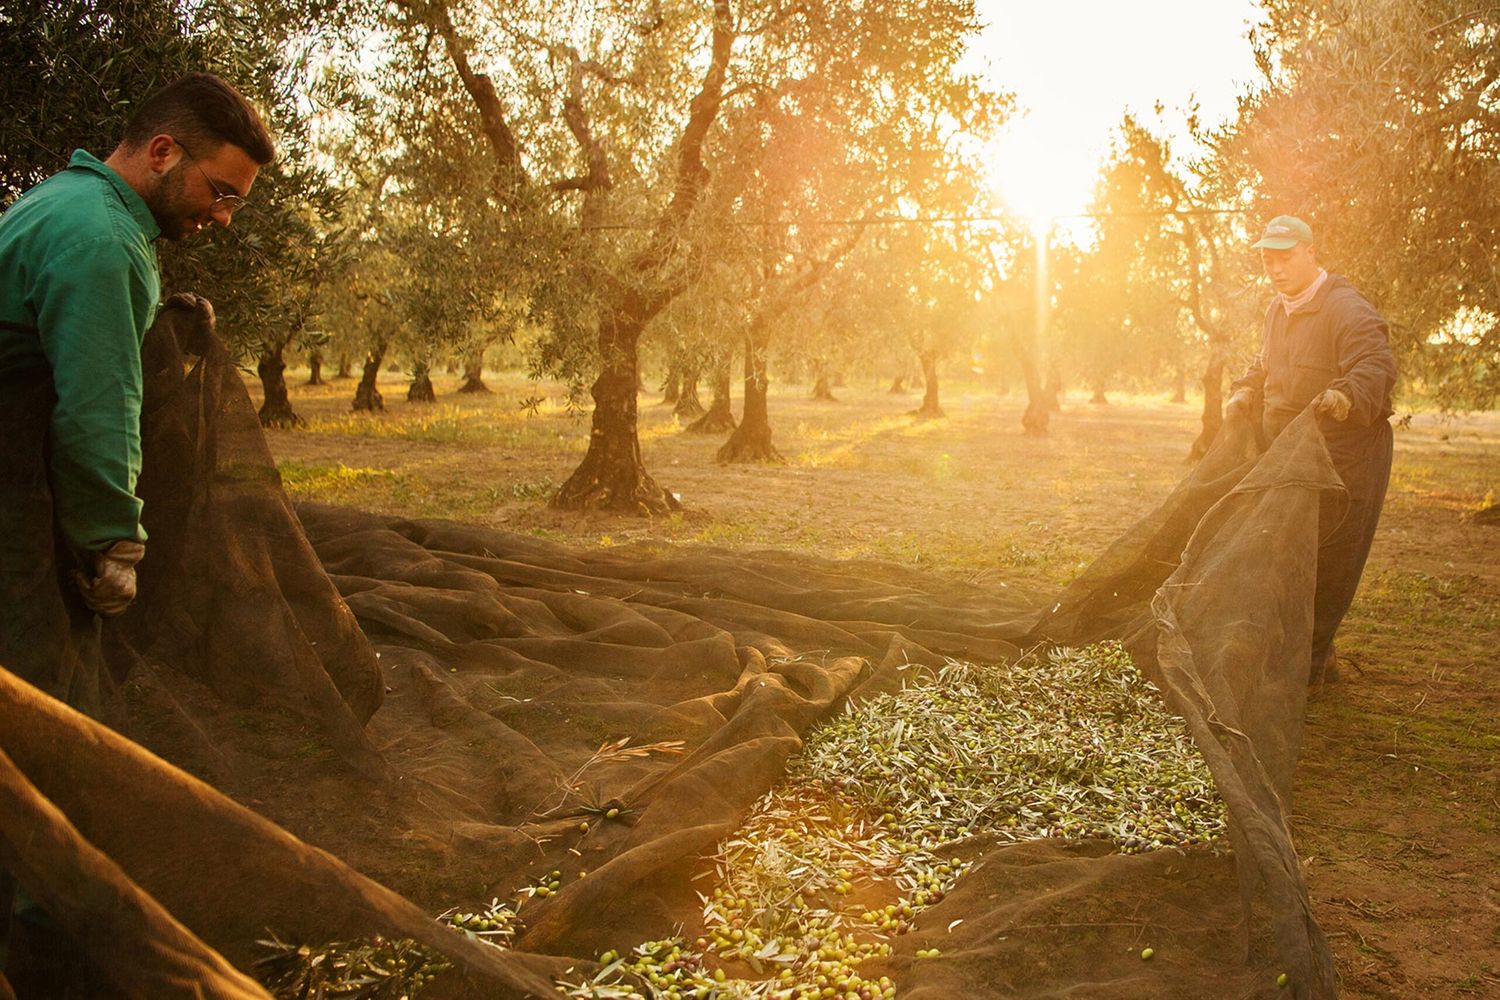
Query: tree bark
x,y
367,397
898,386
276,411
930,408
671,387
1179,387
1034,420
420,390
1213,399
315,369
821,390
689,406
345,371
1052,390
751,440
720,417
1098,398
474,374
612,475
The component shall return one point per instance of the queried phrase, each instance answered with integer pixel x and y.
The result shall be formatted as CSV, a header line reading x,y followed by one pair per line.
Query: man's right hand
x,y
112,587
1239,404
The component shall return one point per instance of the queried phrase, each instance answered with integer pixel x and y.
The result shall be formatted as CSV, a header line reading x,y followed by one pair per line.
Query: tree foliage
x,y
75,71
1379,123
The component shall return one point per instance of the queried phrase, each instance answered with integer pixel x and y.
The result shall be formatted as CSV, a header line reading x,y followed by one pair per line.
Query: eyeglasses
x,y
226,200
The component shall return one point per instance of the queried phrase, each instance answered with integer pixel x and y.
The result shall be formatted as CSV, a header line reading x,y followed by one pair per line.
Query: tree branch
x,y
482,89
596,177
692,175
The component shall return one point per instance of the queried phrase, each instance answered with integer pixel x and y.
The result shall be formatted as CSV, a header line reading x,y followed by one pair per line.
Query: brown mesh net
x,y
427,703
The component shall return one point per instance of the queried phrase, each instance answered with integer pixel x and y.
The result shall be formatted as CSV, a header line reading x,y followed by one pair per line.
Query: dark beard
x,y
166,204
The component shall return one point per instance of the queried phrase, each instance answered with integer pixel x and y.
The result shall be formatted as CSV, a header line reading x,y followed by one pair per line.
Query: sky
x,y
1076,66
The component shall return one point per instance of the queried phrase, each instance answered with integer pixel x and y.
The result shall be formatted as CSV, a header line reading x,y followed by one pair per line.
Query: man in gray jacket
x,y
1325,346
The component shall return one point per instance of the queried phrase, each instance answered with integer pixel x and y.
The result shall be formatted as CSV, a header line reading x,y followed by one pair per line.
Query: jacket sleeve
x,y
1367,368
92,303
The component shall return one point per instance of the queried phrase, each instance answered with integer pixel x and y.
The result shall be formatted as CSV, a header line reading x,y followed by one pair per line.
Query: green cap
x,y
1283,233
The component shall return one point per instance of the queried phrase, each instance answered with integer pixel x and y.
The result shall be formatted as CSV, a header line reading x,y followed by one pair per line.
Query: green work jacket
x,y
79,285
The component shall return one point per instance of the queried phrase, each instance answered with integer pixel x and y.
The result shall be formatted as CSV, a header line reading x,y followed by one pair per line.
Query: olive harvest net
x,y
455,715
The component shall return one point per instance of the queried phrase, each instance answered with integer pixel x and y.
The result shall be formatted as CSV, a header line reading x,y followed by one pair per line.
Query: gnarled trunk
x,y
1213,401
671,386
1034,420
276,411
345,367
474,374
689,406
751,440
1052,391
720,417
420,390
612,475
367,397
315,369
930,409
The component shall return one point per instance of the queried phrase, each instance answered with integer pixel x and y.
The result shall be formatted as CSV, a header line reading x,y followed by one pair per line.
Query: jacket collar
x,y
1321,296
139,210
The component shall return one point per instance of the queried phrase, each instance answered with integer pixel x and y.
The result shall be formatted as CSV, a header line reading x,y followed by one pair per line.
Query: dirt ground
x,y
1397,816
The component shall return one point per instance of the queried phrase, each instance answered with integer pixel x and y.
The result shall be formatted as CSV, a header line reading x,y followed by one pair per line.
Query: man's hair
x,y
203,112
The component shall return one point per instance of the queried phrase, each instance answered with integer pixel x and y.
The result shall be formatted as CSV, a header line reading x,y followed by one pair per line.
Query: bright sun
x,y
1039,173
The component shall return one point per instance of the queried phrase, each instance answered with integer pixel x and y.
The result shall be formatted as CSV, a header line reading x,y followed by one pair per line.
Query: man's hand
x,y
1335,403
1239,404
113,585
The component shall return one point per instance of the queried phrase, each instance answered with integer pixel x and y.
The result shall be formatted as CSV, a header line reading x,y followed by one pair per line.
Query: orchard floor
x,y
1397,812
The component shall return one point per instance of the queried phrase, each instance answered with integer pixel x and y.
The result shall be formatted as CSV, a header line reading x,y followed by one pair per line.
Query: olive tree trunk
x,y
276,410
720,417
751,440
420,390
315,369
366,396
474,374
689,407
930,408
612,475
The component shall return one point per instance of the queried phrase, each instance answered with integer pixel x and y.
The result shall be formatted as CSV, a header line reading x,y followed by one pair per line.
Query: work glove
x,y
1239,404
1335,403
112,587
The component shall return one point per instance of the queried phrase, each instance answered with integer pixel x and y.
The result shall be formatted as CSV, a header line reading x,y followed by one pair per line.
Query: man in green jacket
x,y
79,286
1325,346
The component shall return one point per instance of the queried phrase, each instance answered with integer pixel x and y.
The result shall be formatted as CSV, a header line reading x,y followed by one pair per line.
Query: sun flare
x,y
1037,173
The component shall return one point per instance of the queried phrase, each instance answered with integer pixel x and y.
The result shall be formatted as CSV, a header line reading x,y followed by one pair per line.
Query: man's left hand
x,y
1335,403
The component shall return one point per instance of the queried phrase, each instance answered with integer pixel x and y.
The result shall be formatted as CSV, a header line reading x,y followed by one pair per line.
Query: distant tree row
x,y
705,186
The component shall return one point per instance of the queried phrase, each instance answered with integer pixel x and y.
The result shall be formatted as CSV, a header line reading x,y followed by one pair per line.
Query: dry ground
x,y
1397,814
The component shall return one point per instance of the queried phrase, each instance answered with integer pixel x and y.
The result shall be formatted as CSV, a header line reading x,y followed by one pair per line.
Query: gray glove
x,y
1335,403
1239,404
112,587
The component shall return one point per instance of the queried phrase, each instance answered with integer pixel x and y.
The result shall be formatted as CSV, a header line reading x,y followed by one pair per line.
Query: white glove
x,y
1239,404
1335,403
112,588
